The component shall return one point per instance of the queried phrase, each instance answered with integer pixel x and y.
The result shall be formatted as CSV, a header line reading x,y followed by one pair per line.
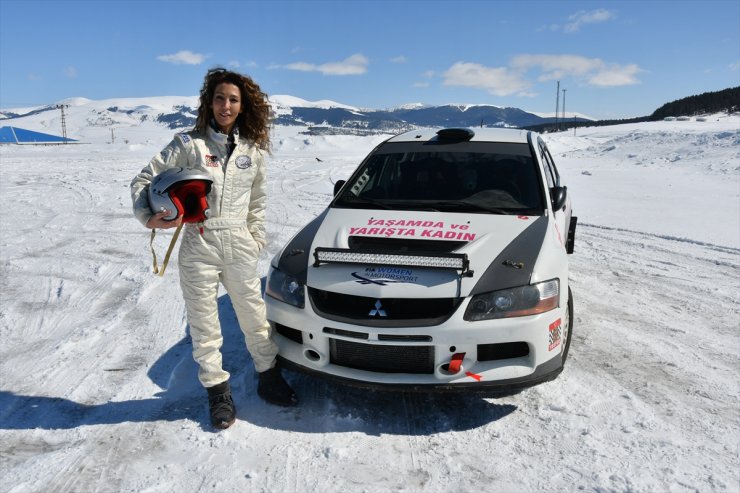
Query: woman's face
x,y
226,105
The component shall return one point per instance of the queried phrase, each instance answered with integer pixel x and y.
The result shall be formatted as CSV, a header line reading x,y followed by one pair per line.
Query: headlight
x,y
285,288
514,302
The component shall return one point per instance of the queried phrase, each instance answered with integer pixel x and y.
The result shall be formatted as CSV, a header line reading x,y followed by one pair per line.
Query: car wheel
x,y
567,328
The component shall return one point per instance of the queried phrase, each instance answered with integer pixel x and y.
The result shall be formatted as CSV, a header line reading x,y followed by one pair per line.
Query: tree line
x,y
710,102
727,100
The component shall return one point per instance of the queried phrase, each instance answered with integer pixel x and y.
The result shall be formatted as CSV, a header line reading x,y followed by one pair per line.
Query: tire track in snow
x,y
664,237
655,342
300,179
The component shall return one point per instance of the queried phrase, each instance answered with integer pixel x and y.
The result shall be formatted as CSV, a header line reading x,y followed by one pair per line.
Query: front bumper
x,y
500,354
544,373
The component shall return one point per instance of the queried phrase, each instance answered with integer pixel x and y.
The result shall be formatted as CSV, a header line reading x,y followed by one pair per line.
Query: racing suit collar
x,y
229,141
217,129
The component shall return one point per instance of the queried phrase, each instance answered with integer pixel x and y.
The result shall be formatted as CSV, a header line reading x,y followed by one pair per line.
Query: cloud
x,y
555,67
592,71
299,66
420,84
399,59
734,66
499,81
70,72
512,79
615,75
582,18
32,76
183,57
353,65
236,64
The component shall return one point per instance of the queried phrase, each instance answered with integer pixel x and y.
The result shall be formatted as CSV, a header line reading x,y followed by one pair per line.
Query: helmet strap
x,y
169,250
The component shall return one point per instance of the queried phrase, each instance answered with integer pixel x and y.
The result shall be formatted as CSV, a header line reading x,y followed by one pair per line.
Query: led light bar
x,y
456,261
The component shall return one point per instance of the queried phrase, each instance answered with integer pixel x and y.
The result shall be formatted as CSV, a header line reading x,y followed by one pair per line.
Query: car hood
x,y
484,238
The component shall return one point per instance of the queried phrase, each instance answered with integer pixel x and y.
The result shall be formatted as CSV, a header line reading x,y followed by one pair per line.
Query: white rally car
x,y
440,264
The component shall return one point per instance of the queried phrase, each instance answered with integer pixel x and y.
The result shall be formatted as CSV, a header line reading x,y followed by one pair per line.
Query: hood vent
x,y
372,243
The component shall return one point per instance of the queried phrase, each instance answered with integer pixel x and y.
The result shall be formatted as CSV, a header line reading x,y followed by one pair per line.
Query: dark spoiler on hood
x,y
515,264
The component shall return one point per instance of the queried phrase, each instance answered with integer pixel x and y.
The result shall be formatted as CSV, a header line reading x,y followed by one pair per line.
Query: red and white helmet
x,y
183,192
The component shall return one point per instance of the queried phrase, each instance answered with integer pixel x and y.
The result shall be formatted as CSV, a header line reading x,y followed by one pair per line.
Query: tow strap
x,y
169,250
456,362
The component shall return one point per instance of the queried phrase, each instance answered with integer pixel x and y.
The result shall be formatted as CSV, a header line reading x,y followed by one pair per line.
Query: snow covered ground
x,y
98,391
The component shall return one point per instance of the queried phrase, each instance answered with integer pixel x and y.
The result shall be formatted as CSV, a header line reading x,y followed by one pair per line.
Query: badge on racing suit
x,y
243,162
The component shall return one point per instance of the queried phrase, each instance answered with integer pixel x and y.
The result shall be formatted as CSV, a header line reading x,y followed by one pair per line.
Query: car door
x,y
562,216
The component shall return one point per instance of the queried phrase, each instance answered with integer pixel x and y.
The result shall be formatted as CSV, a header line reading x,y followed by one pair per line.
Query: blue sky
x,y
614,59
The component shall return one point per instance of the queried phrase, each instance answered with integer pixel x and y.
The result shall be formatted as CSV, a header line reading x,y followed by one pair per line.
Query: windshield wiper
x,y
461,204
345,202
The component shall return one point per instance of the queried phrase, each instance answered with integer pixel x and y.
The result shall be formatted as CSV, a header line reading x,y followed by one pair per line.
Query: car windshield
x,y
477,177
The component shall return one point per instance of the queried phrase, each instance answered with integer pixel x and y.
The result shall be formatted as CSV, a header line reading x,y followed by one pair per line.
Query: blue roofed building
x,y
15,135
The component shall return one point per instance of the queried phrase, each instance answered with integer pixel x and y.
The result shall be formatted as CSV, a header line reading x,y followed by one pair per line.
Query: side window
x,y
546,164
553,168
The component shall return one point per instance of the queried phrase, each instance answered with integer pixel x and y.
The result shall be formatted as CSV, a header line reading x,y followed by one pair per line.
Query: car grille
x,y
290,333
401,312
346,333
382,358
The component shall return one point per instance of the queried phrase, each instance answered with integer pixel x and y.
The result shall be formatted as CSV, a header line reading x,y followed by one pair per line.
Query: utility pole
x,y
64,122
557,105
564,104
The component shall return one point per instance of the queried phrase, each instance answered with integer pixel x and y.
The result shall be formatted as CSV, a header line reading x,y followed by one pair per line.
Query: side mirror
x,y
338,186
558,196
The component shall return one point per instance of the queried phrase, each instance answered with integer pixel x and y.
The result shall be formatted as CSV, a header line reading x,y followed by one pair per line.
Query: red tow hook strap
x,y
456,362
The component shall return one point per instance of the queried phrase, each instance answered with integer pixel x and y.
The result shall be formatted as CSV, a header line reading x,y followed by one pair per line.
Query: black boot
x,y
223,413
274,389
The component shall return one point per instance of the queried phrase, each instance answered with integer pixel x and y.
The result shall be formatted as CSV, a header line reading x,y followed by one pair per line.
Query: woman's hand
x,y
157,221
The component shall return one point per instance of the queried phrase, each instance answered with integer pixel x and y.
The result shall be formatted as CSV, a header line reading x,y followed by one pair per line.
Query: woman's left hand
x,y
158,221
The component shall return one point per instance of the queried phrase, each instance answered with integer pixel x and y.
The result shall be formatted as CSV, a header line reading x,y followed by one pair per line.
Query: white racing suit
x,y
225,248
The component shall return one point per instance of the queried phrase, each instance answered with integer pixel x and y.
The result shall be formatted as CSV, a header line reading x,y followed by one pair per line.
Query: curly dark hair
x,y
254,120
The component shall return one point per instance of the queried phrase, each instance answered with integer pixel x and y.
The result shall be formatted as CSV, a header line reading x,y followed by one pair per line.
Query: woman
x,y
229,141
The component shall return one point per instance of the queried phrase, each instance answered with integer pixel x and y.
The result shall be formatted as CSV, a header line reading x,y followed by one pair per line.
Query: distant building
x,y
15,135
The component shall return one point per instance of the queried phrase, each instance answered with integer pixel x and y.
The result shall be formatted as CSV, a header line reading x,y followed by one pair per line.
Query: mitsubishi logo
x,y
378,310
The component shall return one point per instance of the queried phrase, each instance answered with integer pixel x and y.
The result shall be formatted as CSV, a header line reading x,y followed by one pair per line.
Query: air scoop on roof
x,y
455,134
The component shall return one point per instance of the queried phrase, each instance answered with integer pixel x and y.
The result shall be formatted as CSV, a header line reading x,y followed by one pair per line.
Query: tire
x,y
567,329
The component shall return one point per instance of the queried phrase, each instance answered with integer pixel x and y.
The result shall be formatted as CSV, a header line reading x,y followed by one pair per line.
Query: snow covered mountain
x,y
321,117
